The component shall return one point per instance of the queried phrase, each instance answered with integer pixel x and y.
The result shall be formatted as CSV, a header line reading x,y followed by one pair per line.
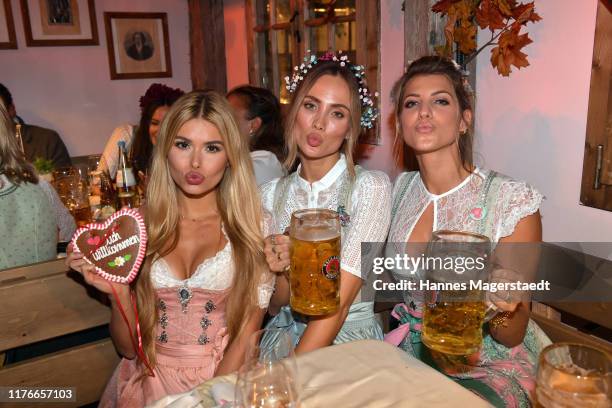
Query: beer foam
x,y
315,233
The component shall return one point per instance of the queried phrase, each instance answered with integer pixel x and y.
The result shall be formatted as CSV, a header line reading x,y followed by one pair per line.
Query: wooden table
x,y
359,374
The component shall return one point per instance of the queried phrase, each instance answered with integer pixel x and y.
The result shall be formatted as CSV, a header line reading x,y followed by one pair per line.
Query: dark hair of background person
x,y
12,162
157,95
436,65
6,96
262,103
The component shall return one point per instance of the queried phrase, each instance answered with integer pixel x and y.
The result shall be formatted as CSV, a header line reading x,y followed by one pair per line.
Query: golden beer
x,y
82,216
314,278
453,327
453,313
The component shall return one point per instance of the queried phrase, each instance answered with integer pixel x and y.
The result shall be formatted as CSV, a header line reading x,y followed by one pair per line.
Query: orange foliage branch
x,y
503,18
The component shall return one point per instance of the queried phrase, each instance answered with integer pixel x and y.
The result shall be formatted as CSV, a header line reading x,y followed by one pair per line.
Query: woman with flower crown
x,y
330,105
433,116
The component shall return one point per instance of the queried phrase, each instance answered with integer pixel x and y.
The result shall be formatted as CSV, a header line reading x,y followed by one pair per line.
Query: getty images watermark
x,y
468,273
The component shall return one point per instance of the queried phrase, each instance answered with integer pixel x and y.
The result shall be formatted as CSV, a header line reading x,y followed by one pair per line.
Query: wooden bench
x,y
44,301
549,317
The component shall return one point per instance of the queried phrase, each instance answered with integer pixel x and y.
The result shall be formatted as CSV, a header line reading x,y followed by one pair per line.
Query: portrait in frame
x,y
8,40
59,22
138,45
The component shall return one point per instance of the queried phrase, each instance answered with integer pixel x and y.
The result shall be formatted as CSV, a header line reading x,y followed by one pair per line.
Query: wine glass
x,y
574,375
268,378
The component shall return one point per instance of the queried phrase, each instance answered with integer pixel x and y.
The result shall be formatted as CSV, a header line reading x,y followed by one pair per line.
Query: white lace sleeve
x,y
265,289
268,279
267,200
110,157
370,214
518,200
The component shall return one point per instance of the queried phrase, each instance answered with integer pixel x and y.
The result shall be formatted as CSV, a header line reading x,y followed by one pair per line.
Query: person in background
x,y
434,114
38,142
259,117
65,221
204,285
28,230
139,140
329,107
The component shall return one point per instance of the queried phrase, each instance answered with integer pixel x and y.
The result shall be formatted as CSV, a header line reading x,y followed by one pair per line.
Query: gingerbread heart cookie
x,y
116,247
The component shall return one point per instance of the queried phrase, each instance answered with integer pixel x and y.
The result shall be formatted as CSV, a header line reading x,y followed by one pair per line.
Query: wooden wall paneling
x,y
416,29
367,21
253,61
599,119
207,43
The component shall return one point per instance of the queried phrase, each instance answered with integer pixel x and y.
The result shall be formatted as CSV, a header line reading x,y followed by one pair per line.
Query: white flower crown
x,y
368,112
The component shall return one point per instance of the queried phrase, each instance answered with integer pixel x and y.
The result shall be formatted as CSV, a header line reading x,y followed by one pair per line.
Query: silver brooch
x,y
205,323
210,306
184,296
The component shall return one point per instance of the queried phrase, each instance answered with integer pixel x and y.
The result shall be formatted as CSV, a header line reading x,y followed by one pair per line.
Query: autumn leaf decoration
x,y
503,18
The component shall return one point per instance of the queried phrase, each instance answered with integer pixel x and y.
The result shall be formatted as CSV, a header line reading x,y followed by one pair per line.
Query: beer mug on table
x,y
454,311
314,277
574,375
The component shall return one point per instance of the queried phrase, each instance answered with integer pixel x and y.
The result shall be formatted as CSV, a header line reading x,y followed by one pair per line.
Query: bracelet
x,y
500,320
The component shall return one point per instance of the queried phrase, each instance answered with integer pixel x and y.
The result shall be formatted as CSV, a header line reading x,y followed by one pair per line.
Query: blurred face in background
x,y
248,127
156,119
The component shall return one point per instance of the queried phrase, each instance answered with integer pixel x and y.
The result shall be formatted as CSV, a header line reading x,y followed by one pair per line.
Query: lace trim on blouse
x,y
215,273
453,210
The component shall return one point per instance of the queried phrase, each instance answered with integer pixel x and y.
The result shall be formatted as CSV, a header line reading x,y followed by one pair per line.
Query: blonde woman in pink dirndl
x,y
196,308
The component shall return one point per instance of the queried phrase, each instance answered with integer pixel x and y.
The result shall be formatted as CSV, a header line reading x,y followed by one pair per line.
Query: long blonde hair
x,y
237,200
12,163
320,69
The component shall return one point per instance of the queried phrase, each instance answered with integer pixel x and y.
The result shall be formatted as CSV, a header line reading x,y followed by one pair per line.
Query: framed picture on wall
x,y
59,22
138,45
7,27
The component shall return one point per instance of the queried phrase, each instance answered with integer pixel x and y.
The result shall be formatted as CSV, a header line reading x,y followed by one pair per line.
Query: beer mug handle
x,y
491,311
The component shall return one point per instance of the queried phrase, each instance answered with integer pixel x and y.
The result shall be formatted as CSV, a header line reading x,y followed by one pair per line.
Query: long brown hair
x,y
316,72
436,65
237,200
156,96
12,163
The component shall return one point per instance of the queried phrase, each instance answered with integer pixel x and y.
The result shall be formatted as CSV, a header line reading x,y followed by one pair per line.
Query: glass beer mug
x,y
574,375
314,278
453,317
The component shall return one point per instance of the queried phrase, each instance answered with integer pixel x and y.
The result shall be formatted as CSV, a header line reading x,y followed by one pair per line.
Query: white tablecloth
x,y
359,374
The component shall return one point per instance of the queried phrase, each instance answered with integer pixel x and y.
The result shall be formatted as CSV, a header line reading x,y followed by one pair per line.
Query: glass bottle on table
x,y
127,192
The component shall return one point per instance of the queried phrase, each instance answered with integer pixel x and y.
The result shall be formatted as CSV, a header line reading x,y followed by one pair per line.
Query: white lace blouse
x,y
458,209
369,207
214,273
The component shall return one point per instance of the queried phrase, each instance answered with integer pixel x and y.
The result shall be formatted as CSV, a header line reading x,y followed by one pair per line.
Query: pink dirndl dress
x,y
190,341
